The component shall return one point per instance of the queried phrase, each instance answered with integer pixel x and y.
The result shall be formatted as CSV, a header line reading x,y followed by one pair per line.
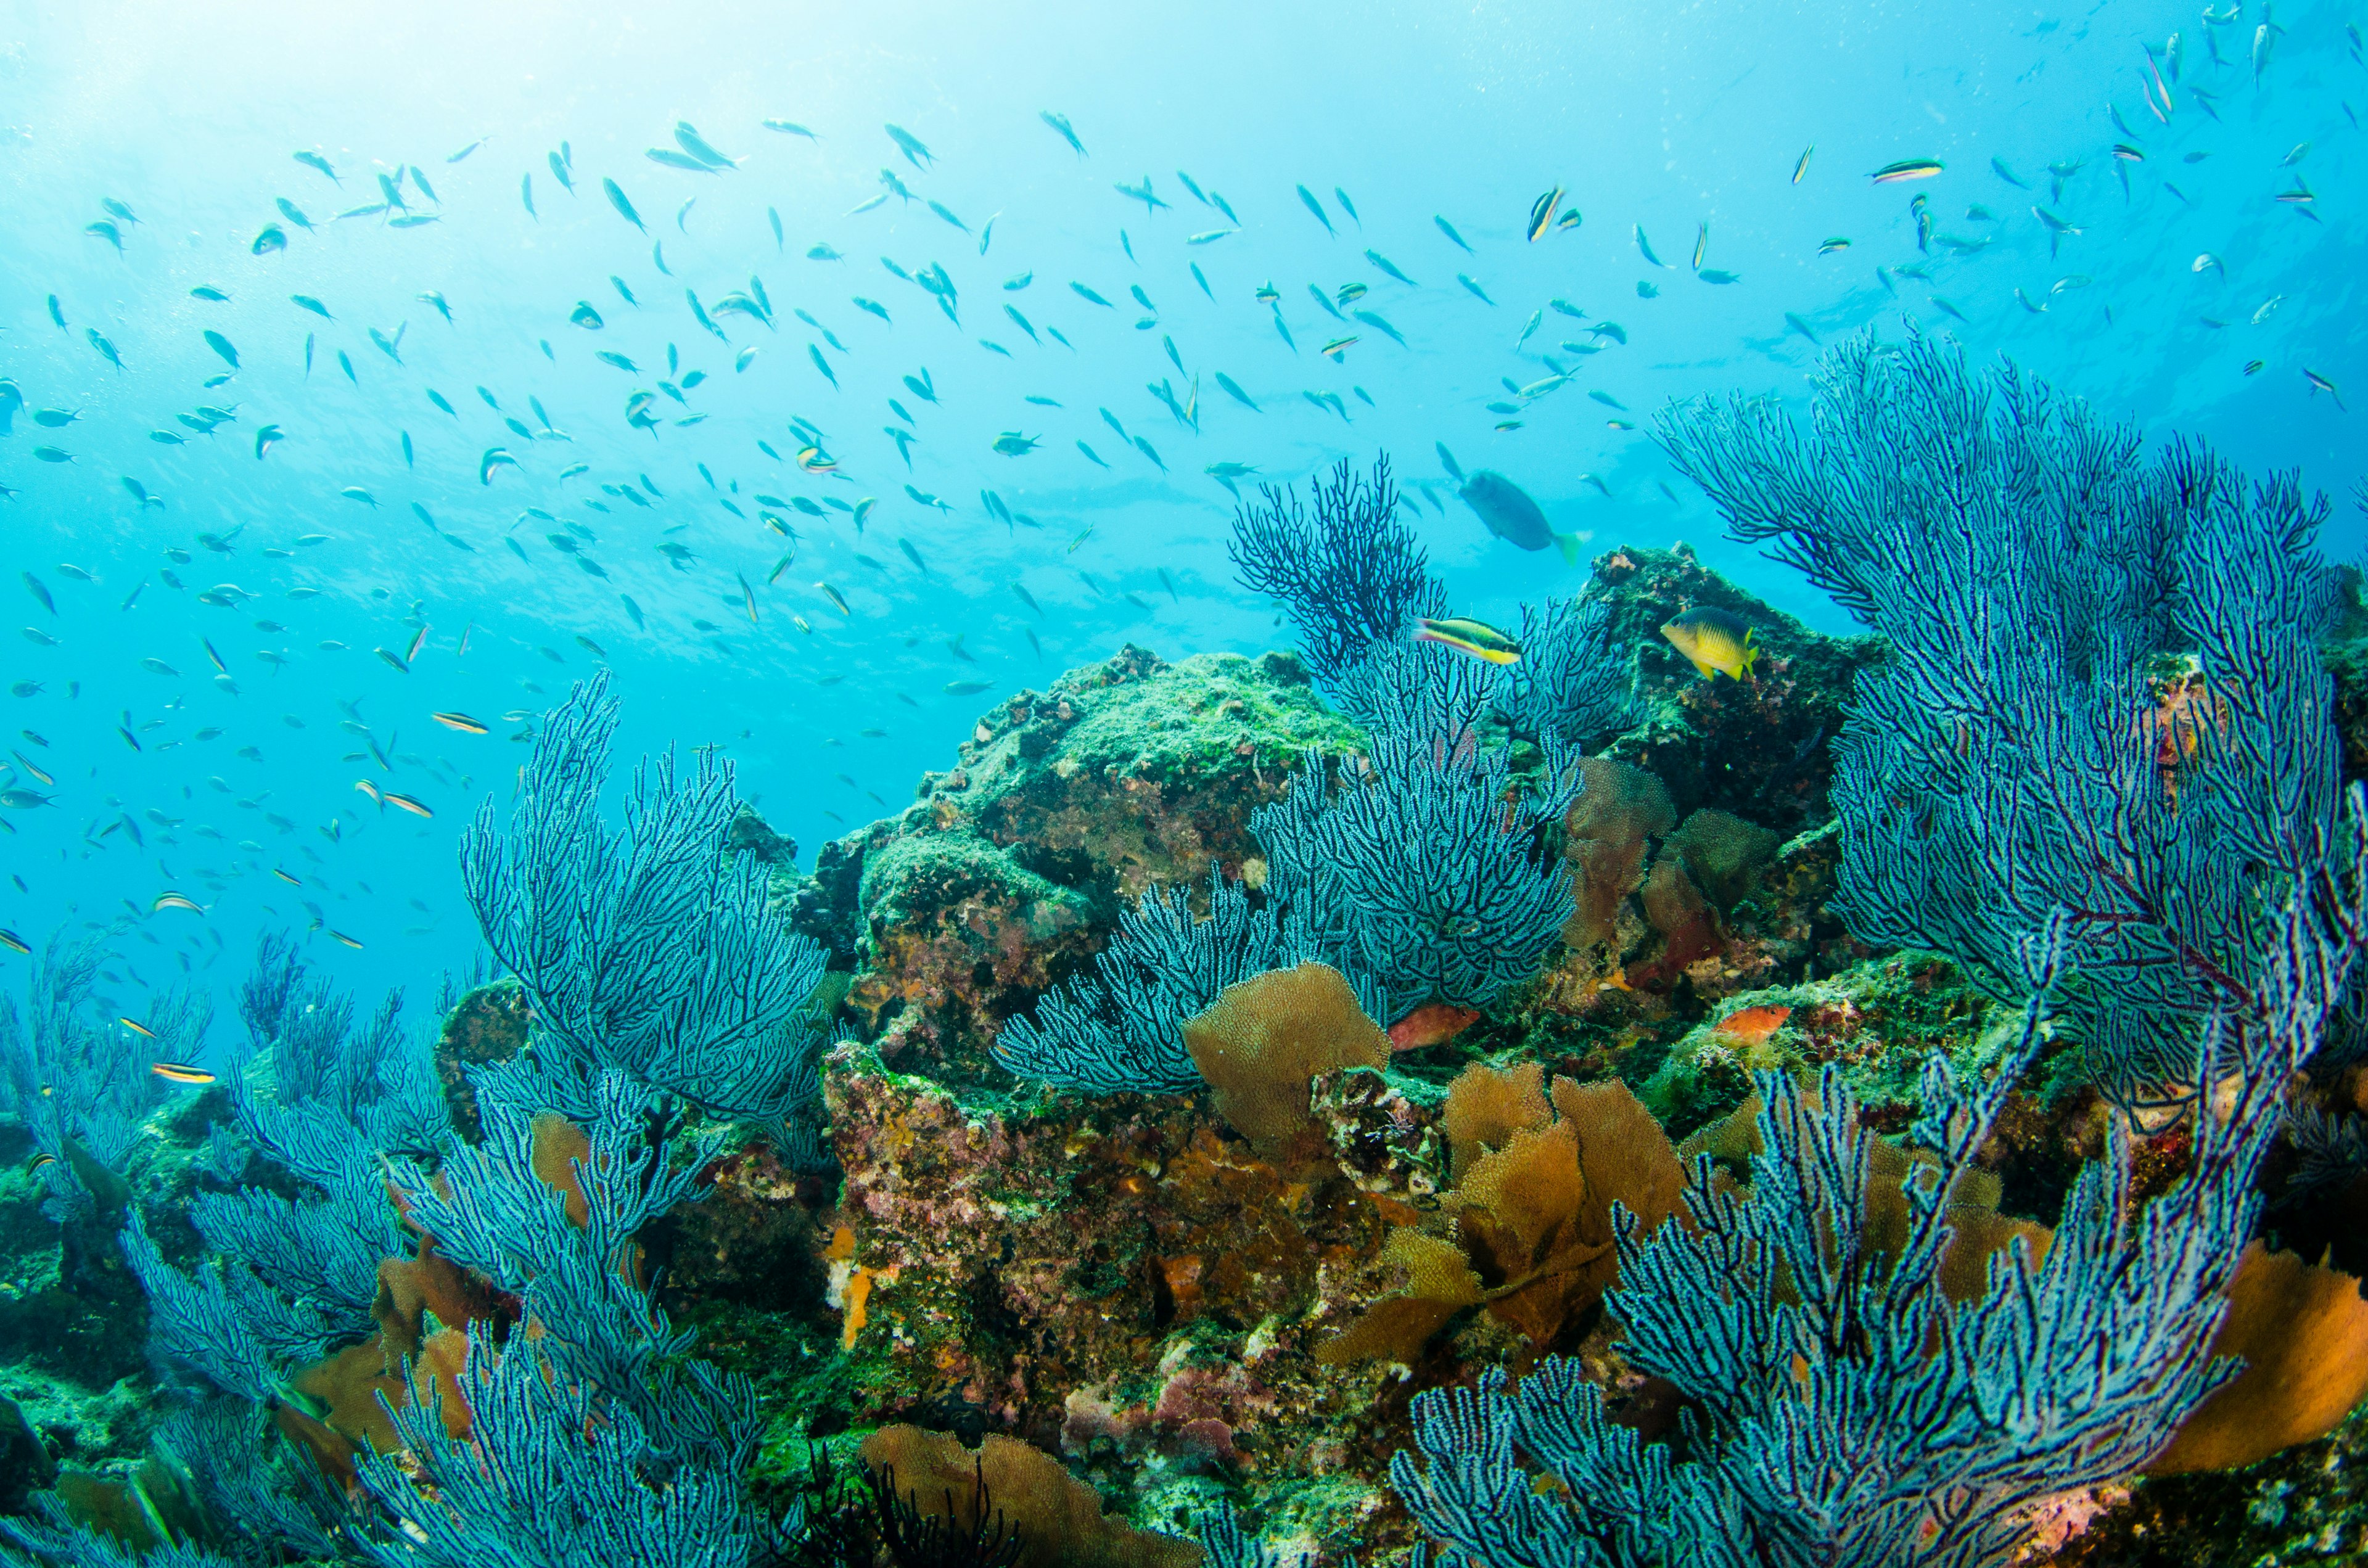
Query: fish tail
x,y
1568,544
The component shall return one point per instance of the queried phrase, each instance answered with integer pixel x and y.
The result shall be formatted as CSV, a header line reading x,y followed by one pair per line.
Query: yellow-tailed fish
x,y
349,941
1907,169
367,788
1803,166
180,1073
418,641
460,721
1716,641
1542,212
405,803
1476,638
837,600
136,1027
165,901
284,877
12,942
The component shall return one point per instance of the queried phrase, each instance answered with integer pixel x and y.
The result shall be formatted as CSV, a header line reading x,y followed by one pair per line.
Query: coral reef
x,y
1207,1090
1064,808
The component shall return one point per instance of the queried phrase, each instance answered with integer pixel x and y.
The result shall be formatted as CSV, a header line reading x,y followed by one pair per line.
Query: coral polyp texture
x,y
1900,1105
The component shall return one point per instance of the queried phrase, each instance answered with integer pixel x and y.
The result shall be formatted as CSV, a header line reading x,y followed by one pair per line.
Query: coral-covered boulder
x,y
1063,806
1126,1281
1702,852
1755,748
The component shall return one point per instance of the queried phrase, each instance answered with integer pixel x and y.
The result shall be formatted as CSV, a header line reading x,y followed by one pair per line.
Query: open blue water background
x,y
1660,116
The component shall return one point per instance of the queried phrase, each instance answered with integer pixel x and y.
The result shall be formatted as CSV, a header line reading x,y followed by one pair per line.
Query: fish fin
x,y
1568,544
1751,657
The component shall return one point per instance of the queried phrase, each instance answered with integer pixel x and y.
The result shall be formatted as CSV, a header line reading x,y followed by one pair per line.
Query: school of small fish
x,y
651,346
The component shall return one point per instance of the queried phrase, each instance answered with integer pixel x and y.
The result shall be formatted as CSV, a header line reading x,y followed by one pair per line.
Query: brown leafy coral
x,y
1527,1228
1058,1518
1262,1042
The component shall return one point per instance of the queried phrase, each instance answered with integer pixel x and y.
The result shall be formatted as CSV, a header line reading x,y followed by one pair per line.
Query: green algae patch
x,y
933,871
1189,720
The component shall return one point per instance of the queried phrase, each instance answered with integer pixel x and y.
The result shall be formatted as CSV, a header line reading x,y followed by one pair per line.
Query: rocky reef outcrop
x,y
1059,810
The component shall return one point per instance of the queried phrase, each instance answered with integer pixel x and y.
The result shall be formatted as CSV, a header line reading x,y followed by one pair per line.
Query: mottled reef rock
x,y
1121,1281
1754,749
1702,850
1011,867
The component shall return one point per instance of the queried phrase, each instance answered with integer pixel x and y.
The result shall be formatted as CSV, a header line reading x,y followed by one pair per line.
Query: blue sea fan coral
x,y
552,1475
1352,577
293,1276
224,1325
491,1211
80,1085
379,1081
260,1500
1842,1407
1120,1027
1405,686
648,951
1573,682
1421,862
2104,692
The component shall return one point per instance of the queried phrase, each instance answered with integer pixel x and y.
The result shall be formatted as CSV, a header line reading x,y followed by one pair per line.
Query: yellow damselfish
x,y
1715,641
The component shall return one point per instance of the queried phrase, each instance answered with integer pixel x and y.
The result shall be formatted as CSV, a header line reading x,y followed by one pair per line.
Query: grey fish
x,y
1507,511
